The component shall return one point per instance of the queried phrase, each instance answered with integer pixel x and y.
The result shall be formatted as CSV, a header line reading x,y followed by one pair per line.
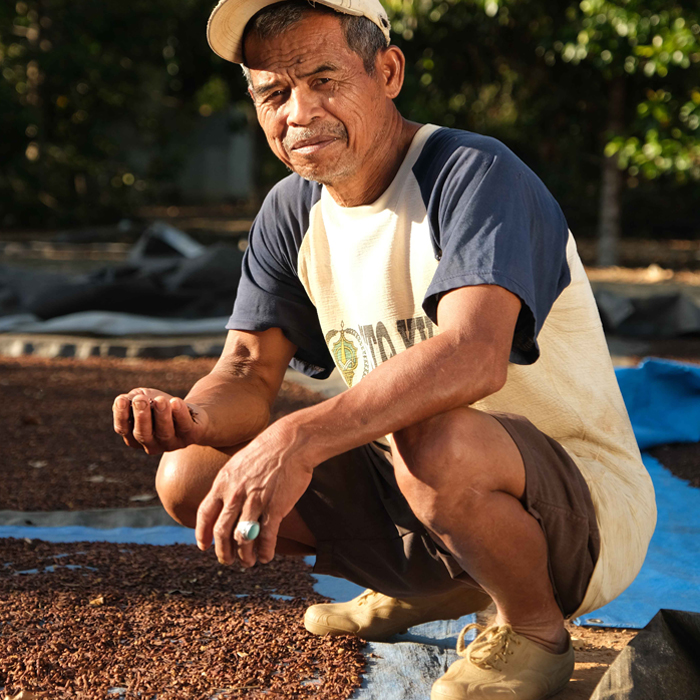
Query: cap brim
x,y
227,24
229,18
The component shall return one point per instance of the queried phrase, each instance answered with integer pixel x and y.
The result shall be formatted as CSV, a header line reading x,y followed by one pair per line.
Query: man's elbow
x,y
493,375
492,379
484,379
498,377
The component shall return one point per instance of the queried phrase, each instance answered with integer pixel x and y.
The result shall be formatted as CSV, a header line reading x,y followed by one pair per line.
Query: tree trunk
x,y
609,212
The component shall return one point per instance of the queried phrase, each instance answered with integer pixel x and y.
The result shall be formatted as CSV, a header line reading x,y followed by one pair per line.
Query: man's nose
x,y
303,106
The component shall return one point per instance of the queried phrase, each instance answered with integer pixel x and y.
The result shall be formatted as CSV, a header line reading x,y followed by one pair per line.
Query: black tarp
x,y
170,275
661,663
670,315
167,275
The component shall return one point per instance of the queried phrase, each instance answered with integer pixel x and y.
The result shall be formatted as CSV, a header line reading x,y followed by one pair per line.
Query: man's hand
x,y
157,422
260,483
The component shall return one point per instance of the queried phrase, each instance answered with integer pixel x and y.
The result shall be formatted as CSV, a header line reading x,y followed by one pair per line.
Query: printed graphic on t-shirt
x,y
348,356
373,344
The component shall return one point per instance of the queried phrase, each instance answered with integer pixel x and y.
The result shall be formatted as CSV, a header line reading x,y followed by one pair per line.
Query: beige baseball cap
x,y
229,18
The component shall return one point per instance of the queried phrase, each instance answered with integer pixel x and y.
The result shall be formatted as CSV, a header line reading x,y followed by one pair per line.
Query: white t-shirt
x,y
353,286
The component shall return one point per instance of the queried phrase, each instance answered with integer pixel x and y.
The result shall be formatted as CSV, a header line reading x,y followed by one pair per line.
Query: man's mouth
x,y
309,146
309,143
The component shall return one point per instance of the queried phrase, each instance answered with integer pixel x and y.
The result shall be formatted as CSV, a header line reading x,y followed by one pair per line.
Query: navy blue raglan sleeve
x,y
270,294
493,222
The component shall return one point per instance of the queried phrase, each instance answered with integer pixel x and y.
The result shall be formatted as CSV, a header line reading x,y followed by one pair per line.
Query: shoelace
x,y
364,597
491,645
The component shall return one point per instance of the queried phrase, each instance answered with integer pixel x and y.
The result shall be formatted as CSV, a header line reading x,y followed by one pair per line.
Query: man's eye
x,y
275,96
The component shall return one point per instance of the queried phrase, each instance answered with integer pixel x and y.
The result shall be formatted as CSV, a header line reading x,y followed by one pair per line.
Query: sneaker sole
x,y
322,630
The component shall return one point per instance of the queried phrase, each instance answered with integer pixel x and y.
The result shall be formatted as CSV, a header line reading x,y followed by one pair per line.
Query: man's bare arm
x,y
239,392
466,362
228,406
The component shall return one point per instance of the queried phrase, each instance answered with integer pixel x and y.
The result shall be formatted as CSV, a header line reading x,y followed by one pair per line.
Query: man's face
x,y
320,110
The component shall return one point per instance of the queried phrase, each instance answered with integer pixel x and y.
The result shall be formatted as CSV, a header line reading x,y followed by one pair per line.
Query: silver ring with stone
x,y
248,529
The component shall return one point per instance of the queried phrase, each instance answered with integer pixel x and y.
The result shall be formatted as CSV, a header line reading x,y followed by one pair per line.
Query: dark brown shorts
x,y
367,533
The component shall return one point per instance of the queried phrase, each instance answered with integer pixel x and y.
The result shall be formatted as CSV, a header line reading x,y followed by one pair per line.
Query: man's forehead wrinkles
x,y
280,58
291,53
323,68
277,77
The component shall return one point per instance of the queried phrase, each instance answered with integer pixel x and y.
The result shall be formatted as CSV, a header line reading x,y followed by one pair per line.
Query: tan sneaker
x,y
376,617
500,663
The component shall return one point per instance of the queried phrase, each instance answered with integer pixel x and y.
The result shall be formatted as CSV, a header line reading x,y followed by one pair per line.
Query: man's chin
x,y
315,173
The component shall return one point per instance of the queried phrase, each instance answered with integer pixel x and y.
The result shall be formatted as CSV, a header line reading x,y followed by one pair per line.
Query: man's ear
x,y
390,66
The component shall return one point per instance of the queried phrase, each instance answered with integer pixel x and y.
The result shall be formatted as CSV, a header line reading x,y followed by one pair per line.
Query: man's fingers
x,y
120,413
145,419
139,391
163,427
122,419
224,544
267,541
251,513
143,424
207,513
182,420
216,519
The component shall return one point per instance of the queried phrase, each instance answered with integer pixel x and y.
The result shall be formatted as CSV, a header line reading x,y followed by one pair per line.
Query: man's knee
x,y
436,450
184,478
171,487
450,464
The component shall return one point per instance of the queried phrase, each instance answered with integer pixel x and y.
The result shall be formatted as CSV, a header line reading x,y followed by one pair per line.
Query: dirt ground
x,y
596,649
59,453
80,619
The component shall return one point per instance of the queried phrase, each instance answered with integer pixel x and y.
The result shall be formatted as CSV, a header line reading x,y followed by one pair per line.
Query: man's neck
x,y
368,184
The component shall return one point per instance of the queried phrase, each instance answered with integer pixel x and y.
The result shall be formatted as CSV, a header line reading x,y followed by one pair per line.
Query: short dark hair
x,y
363,36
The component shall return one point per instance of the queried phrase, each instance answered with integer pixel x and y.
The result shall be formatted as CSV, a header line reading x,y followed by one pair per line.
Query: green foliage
x,y
632,36
97,98
654,47
539,74
484,75
451,78
670,143
94,100
213,96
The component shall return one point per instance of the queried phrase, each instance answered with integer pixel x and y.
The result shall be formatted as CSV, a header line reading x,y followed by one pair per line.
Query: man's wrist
x,y
226,426
304,438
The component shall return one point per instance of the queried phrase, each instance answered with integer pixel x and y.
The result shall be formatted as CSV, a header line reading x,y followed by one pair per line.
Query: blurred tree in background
x,y
600,98
95,101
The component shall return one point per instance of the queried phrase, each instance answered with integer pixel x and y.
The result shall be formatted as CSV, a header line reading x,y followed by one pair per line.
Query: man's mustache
x,y
295,137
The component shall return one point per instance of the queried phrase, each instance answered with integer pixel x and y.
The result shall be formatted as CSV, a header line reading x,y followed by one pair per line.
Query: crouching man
x,y
482,450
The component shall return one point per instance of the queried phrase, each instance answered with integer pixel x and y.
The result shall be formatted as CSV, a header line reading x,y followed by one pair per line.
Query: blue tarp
x,y
663,401
161,535
670,577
